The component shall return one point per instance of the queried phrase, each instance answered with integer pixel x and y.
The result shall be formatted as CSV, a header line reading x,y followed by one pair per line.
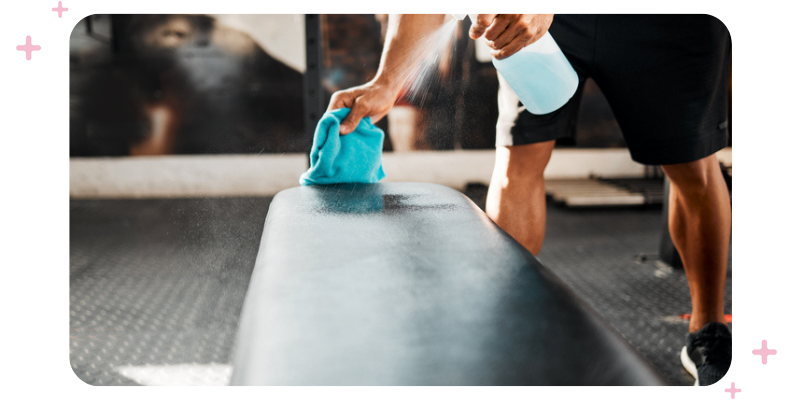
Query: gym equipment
x,y
411,284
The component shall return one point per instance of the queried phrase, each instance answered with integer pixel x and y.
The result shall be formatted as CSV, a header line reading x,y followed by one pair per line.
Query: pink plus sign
x,y
28,48
764,352
733,390
60,9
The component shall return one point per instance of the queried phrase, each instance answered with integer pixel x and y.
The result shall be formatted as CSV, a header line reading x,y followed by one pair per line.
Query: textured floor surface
x,y
156,286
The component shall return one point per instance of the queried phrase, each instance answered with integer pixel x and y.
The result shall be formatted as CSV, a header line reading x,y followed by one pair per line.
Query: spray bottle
x,y
539,74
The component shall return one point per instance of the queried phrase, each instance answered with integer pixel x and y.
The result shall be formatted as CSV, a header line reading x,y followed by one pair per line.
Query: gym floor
x,y
156,286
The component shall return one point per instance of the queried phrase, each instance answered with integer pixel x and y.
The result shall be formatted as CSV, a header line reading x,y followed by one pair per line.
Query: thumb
x,y
350,123
480,24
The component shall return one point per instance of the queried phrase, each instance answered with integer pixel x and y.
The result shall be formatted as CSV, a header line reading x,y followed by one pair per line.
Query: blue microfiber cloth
x,y
351,158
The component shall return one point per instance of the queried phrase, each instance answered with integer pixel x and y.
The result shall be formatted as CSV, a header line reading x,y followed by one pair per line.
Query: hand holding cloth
x,y
351,158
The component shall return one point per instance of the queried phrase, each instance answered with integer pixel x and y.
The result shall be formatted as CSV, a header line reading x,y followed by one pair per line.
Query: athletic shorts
x,y
664,76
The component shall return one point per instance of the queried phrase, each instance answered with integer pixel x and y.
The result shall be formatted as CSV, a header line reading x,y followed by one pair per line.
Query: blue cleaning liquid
x,y
540,75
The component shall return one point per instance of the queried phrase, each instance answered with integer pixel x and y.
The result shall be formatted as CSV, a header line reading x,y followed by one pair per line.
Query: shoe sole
x,y
689,365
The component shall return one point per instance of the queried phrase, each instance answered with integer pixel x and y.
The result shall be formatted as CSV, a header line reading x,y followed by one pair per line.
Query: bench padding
x,y
411,284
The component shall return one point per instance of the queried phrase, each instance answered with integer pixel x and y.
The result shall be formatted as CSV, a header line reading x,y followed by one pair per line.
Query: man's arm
x,y
405,40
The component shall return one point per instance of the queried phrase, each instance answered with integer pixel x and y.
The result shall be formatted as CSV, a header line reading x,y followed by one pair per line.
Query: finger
x,y
480,24
498,26
340,100
511,33
532,37
350,123
510,49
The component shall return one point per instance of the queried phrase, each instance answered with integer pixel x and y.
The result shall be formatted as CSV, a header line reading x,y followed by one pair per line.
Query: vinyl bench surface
x,y
412,284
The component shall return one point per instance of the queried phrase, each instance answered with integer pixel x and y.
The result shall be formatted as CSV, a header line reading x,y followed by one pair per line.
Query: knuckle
x,y
357,112
527,35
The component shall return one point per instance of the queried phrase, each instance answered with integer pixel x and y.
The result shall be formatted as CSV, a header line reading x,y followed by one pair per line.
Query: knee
x,y
524,164
692,177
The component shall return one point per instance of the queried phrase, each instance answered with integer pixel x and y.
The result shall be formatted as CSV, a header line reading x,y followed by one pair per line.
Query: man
x,y
665,77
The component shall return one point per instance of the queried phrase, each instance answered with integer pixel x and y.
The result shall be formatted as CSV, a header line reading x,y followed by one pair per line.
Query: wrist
x,y
393,85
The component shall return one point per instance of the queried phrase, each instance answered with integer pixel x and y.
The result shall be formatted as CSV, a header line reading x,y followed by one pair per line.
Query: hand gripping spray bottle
x,y
539,74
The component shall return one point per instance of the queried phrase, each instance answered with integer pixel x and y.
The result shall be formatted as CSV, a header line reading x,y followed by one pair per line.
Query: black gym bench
x,y
411,284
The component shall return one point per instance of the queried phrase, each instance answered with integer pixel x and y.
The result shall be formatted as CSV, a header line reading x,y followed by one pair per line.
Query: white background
x,y
35,210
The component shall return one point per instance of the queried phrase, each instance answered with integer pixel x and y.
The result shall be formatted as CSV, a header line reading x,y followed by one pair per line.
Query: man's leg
x,y
700,227
516,200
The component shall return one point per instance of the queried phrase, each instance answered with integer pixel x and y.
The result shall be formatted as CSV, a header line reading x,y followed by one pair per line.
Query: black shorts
x,y
664,76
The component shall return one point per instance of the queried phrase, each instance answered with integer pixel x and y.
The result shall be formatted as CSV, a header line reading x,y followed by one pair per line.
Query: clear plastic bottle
x,y
540,74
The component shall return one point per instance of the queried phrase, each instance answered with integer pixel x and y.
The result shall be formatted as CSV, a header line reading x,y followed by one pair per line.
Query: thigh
x,y
666,79
516,126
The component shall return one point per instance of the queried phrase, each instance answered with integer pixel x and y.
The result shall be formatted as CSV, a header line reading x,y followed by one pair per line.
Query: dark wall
x,y
179,84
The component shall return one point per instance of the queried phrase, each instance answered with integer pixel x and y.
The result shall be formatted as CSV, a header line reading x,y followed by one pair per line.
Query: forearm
x,y
407,42
405,47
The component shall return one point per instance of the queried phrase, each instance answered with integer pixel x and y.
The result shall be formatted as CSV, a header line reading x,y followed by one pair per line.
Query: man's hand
x,y
406,37
507,34
373,100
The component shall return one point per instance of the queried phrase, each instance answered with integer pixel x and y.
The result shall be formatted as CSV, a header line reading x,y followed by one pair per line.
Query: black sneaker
x,y
707,354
